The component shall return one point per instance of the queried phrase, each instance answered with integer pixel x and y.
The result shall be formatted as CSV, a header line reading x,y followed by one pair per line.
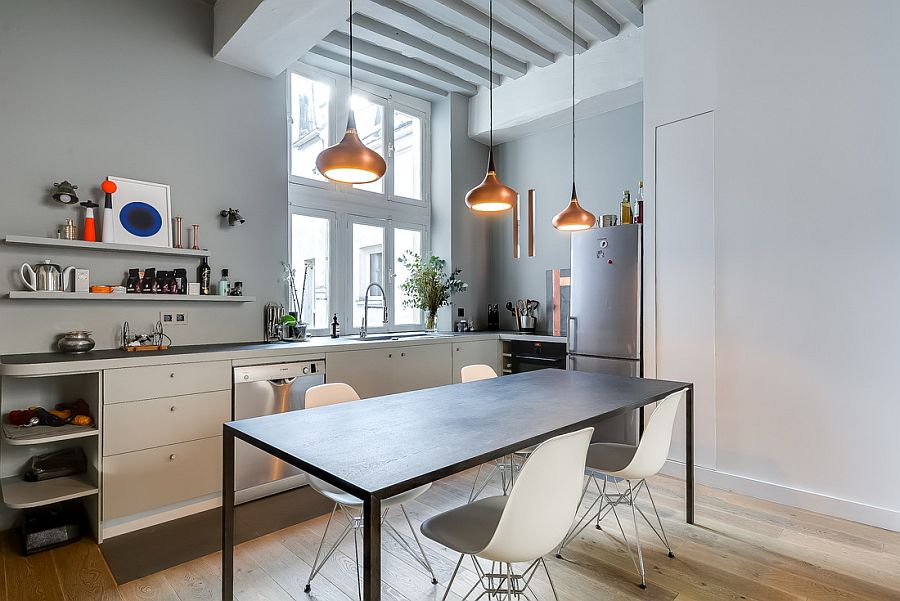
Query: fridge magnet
x,y
141,213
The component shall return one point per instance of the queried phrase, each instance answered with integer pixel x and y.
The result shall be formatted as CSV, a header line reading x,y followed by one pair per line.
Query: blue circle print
x,y
140,219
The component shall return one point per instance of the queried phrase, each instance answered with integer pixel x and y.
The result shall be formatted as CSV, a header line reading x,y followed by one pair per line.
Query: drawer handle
x,y
390,355
172,457
172,408
402,354
172,375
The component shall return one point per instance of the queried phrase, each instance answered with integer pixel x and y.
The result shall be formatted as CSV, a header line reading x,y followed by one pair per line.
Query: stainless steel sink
x,y
398,336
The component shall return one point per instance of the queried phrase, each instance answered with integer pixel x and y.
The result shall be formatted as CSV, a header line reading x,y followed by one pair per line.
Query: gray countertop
x,y
36,364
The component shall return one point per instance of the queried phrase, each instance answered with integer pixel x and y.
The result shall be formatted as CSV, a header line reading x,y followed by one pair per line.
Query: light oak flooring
x,y
741,548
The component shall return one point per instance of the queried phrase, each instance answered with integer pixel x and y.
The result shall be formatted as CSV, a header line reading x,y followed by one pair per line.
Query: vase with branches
x,y
429,286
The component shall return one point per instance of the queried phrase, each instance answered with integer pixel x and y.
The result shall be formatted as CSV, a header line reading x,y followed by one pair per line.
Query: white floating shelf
x,y
90,296
19,494
43,434
105,246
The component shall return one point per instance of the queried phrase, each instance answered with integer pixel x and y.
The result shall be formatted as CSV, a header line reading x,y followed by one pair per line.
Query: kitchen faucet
x,y
364,330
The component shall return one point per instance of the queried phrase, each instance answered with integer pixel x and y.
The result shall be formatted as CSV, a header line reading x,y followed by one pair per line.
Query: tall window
x,y
310,111
345,238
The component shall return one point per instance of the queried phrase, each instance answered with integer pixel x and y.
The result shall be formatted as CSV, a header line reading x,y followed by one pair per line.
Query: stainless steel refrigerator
x,y
604,334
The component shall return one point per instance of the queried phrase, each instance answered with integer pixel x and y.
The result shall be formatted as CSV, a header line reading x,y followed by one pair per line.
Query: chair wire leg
x,y
356,551
419,543
625,538
602,496
665,538
580,523
509,586
475,483
314,570
637,536
453,577
550,579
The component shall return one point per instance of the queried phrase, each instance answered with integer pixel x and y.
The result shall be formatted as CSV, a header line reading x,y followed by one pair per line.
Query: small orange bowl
x,y
101,289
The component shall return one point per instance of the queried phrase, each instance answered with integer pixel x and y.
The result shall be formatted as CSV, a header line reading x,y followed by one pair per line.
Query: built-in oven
x,y
531,355
267,390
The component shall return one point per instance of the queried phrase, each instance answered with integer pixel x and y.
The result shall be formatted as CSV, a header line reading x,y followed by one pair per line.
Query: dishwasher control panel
x,y
279,371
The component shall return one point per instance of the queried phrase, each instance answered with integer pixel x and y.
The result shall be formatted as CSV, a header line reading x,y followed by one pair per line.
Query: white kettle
x,y
46,277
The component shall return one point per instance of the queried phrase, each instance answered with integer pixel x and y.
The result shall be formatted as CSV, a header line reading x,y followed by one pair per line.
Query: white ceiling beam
x,y
466,17
533,22
266,36
394,61
329,60
633,10
596,20
458,42
409,45
609,76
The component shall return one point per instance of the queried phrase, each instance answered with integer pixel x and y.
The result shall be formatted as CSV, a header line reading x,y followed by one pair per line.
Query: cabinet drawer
x,y
154,478
144,424
157,381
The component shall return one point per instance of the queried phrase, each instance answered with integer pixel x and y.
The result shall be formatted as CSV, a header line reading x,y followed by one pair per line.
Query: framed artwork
x,y
142,213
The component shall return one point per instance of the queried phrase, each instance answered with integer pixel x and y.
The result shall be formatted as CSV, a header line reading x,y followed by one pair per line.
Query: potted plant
x,y
292,325
429,287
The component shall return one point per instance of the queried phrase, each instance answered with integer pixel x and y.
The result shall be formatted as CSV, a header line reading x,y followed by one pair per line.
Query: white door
x,y
685,274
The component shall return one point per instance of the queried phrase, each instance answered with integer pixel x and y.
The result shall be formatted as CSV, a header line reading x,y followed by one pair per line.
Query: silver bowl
x,y
76,342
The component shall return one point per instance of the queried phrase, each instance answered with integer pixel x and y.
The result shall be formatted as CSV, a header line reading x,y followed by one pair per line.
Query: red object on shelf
x,y
109,187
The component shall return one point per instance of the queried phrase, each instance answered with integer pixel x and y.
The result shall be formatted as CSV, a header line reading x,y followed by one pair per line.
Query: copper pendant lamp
x,y
573,218
491,195
350,161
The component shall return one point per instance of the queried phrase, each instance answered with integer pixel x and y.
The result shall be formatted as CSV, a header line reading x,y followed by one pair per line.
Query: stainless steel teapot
x,y
46,277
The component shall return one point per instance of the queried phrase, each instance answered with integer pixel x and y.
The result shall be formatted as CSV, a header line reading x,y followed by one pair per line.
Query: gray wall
x,y
609,160
129,88
458,164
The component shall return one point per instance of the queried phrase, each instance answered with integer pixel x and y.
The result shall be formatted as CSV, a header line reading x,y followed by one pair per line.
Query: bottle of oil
x,y
626,216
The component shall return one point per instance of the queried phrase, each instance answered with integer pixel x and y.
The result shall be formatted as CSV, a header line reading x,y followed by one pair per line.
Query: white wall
x,y
805,96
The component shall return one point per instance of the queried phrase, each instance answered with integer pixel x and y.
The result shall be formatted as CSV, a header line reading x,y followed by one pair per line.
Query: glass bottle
x,y
639,215
223,283
204,274
626,216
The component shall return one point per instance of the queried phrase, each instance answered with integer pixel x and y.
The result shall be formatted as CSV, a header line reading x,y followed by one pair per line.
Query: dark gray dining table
x,y
379,447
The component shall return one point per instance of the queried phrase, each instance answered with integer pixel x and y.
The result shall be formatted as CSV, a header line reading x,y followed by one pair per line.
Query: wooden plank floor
x,y
741,548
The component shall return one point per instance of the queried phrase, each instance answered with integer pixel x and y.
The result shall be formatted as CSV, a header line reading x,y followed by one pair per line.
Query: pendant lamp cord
x,y
491,66
351,48
573,93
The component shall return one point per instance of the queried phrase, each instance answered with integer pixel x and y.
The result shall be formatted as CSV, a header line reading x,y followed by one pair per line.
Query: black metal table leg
x,y
227,514
372,548
689,455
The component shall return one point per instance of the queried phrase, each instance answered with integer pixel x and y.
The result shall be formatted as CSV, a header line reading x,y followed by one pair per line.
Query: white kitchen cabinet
x,y
484,352
157,381
376,372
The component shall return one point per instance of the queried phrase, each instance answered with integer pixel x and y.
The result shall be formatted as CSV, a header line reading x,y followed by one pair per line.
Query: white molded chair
x,y
523,526
350,506
633,464
473,373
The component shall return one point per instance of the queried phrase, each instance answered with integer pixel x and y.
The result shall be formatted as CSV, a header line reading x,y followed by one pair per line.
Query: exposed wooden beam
x,y
527,18
329,60
633,10
410,45
466,17
394,61
418,23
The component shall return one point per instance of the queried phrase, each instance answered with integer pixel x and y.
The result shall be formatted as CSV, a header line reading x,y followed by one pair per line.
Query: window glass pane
x,y
405,241
407,156
309,124
310,253
368,267
370,126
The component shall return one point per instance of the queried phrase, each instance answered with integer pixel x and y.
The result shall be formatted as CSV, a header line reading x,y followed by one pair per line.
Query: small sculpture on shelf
x,y
108,232
65,193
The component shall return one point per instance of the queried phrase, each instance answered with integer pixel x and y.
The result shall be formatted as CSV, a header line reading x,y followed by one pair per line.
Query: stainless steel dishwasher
x,y
267,390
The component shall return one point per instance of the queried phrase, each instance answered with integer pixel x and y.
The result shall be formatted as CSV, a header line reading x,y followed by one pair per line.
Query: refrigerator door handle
x,y
570,334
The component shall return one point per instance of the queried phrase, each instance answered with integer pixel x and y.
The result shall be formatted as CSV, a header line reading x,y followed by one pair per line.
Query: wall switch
x,y
460,312
173,318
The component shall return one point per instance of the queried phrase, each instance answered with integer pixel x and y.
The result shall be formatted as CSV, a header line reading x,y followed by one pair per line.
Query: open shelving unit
x,y
90,296
19,494
62,244
17,437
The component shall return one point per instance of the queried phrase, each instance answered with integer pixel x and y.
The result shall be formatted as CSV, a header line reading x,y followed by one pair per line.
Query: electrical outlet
x,y
173,318
460,312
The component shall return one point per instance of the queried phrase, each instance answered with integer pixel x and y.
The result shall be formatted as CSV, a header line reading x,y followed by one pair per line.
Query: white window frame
x,y
345,211
333,283
337,121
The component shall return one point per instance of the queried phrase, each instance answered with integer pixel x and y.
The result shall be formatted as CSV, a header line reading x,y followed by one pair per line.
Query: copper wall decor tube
x,y
531,197
515,228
